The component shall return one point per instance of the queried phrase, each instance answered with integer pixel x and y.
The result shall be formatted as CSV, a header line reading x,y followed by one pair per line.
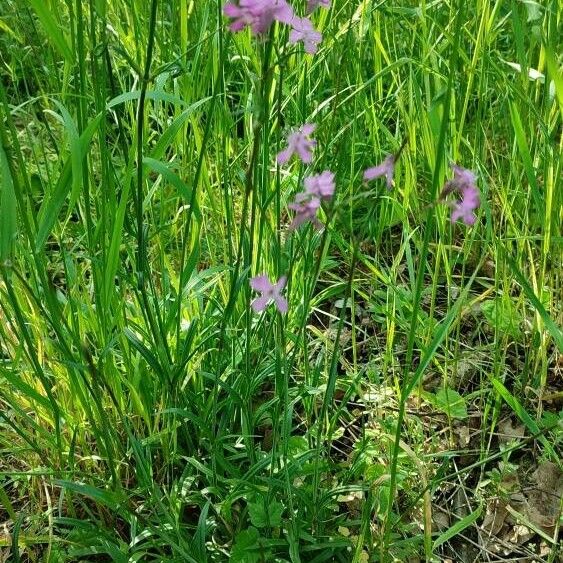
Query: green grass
x,y
147,414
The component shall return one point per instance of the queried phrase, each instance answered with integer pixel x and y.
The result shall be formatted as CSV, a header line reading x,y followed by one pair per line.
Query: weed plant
x,y
280,283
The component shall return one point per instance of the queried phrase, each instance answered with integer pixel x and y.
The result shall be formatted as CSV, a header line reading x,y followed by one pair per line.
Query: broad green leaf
x,y
5,27
556,77
553,329
5,502
168,136
524,150
112,261
452,403
245,547
26,390
149,95
108,498
440,333
534,9
264,514
150,358
52,206
75,149
183,189
198,542
502,315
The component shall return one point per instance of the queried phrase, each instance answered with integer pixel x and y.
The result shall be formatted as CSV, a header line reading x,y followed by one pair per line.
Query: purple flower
x,y
464,208
299,142
463,177
464,183
312,4
303,30
386,168
258,14
307,203
305,208
242,16
320,185
270,292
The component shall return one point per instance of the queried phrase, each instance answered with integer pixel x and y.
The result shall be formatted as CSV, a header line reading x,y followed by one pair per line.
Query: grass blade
x,y
8,217
457,528
53,30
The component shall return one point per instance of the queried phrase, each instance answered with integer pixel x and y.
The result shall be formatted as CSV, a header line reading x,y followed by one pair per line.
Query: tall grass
x,y
146,412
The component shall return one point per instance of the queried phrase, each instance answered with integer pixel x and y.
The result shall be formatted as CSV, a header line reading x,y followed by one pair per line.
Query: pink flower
x,y
464,208
307,203
312,4
299,142
462,176
305,208
303,30
270,292
320,185
258,14
242,16
386,168
464,183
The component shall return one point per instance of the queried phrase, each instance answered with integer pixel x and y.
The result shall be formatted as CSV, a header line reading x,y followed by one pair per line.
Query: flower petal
x,y
284,12
386,168
281,303
284,155
308,128
280,284
231,10
261,283
304,154
462,176
259,304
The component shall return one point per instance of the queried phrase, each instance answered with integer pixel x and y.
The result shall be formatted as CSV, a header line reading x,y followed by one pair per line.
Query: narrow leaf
x,y
52,206
550,325
8,223
524,151
54,32
522,413
457,528
174,179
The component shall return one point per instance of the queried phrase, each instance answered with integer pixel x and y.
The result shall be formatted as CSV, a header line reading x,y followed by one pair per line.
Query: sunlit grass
x,y
146,412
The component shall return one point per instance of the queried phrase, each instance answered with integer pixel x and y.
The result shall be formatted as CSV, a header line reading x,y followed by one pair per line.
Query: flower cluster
x,y
464,184
307,203
317,187
259,15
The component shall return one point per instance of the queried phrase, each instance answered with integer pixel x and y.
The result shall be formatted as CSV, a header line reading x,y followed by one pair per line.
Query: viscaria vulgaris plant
x,y
300,143
259,15
270,292
464,185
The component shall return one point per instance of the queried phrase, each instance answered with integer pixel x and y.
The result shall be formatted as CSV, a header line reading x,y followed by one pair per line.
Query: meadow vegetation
x,y
281,281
